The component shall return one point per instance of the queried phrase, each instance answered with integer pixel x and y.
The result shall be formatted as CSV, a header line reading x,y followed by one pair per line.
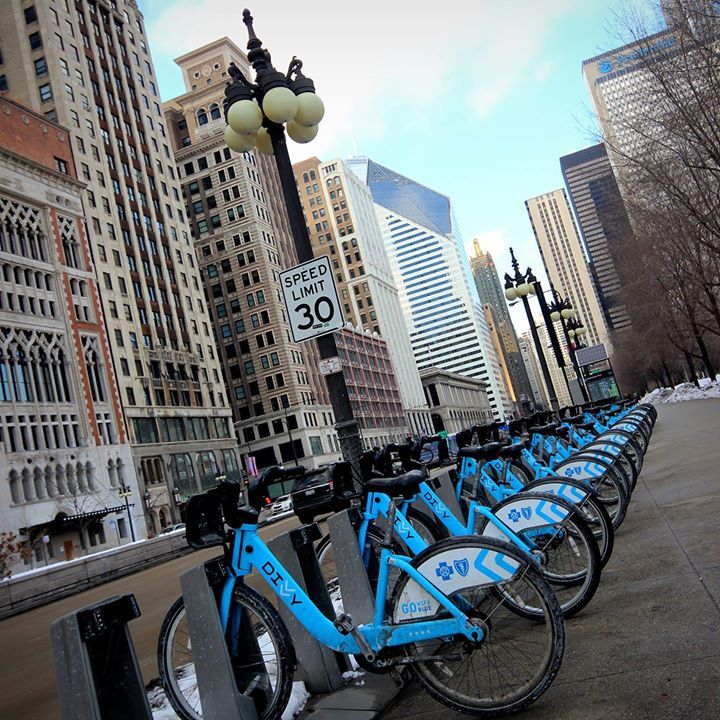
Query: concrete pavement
x,y
648,646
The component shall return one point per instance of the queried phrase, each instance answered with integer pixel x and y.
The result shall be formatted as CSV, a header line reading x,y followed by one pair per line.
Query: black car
x,y
325,490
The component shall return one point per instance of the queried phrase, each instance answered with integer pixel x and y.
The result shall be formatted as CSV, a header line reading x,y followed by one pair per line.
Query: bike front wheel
x,y
261,653
517,659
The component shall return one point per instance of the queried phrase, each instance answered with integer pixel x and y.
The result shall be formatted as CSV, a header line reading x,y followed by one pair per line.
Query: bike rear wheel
x,y
519,657
261,653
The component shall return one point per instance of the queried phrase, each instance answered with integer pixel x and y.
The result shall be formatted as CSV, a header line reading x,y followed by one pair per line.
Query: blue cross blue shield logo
x,y
526,512
462,566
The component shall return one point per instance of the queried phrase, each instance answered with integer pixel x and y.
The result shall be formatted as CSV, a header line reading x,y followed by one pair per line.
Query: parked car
x,y
173,528
281,507
322,491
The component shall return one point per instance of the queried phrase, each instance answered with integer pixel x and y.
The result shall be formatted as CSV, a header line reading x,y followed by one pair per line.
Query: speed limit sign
x,y
311,299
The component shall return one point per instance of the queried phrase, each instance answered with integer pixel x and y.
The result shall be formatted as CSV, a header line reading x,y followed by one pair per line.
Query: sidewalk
x,y
648,646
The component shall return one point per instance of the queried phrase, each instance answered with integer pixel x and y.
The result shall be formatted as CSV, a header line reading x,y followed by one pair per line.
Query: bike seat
x,y
407,484
574,419
585,426
512,452
544,429
562,432
482,452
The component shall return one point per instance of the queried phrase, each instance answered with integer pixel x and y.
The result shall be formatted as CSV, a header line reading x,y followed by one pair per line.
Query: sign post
x,y
311,299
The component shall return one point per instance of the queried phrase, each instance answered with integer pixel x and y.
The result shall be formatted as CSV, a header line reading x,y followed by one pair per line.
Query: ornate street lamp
x,y
561,310
259,114
521,285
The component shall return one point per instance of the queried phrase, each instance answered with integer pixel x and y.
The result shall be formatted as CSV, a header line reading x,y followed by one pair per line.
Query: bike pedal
x,y
344,624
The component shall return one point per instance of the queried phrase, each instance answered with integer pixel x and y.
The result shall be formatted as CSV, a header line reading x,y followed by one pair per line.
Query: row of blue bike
x,y
473,571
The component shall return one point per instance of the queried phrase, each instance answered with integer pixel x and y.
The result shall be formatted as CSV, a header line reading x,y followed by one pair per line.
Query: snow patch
x,y
163,710
684,391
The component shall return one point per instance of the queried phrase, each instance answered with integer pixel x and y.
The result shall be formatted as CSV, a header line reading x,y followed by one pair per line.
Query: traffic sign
x,y
330,365
311,299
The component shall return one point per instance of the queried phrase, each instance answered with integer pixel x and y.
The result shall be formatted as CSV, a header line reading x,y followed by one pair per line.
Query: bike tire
x,y
594,512
184,696
574,580
490,608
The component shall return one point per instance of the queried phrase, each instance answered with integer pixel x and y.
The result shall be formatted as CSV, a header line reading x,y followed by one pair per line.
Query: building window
x,y
45,93
35,40
30,15
40,67
61,165
3,83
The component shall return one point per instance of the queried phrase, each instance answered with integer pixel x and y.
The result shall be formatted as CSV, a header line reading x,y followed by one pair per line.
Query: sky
x,y
477,99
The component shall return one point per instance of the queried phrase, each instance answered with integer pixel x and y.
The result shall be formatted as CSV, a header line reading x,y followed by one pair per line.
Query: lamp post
x,y
124,492
289,432
258,115
562,310
520,285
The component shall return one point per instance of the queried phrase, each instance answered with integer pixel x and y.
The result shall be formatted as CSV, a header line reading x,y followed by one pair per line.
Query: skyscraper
x,y
241,233
532,365
621,89
88,66
343,225
603,222
65,450
491,293
564,259
447,326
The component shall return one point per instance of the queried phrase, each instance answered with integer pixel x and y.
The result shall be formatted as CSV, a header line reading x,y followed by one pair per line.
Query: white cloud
x,y
542,71
373,62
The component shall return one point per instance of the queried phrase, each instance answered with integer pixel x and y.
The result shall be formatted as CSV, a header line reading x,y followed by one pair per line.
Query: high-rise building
x,y
557,374
603,223
491,293
564,259
372,386
621,87
242,237
532,364
431,268
88,66
65,450
343,225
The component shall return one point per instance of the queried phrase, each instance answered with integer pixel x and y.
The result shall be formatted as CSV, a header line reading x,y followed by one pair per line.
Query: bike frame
x,y
248,552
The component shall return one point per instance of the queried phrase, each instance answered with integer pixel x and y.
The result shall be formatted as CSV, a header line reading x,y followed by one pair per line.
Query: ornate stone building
x,y
65,450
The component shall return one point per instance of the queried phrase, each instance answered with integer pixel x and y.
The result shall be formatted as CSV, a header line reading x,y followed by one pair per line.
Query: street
x,y
648,646
27,681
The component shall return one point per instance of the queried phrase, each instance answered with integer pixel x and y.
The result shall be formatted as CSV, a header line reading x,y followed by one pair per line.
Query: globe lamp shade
x,y
571,333
238,143
245,117
511,293
554,315
264,142
301,134
523,289
567,314
310,110
533,291
280,104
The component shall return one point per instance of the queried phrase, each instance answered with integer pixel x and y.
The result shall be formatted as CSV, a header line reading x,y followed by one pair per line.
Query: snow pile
x,y
163,710
684,391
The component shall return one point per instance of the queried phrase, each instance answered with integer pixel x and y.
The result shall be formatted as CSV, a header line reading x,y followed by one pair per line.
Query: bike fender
x,y
450,571
524,514
583,469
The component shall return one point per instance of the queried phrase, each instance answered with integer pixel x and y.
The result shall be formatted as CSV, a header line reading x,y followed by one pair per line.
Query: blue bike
x,y
452,615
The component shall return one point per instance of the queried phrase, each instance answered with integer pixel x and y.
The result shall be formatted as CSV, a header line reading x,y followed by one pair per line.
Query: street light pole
x,y
125,492
571,329
521,285
287,98
290,436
